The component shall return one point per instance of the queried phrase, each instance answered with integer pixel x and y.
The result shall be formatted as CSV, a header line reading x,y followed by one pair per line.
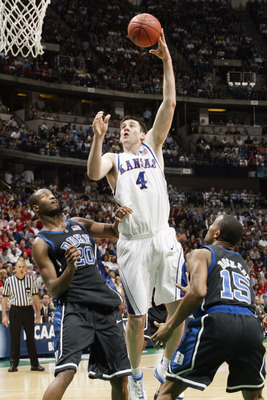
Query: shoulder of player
x,y
152,141
37,240
110,156
38,244
85,222
203,253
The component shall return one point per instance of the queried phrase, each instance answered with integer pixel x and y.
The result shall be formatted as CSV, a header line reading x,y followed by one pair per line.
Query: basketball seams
x,y
144,30
146,26
138,33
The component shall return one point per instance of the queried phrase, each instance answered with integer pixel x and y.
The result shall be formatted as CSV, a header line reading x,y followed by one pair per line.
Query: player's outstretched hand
x,y
100,124
72,255
162,335
162,51
121,212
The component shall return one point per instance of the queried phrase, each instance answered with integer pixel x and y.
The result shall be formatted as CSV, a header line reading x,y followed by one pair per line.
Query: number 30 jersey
x,y
141,185
228,281
87,285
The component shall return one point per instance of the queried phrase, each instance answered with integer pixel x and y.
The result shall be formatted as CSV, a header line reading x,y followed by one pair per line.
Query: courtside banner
x,y
44,338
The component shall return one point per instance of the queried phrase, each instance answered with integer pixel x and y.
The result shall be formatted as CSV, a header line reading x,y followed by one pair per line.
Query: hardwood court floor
x,y
29,385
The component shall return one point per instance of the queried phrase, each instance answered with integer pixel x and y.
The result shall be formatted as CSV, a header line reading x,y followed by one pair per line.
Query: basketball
x,y
144,30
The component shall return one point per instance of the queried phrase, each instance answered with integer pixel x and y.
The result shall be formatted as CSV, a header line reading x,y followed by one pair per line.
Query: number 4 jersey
x,y
87,285
141,185
228,282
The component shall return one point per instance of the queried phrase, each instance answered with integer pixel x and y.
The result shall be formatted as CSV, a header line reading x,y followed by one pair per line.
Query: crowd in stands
x,y
258,12
237,151
96,52
229,146
191,214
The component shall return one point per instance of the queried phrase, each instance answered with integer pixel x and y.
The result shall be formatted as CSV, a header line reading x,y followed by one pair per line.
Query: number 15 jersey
x,y
141,185
228,281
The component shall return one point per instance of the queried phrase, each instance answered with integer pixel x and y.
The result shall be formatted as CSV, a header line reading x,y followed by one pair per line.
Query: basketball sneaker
x,y
160,372
137,388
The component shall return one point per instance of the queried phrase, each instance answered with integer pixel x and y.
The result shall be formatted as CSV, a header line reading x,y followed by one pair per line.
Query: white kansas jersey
x,y
141,185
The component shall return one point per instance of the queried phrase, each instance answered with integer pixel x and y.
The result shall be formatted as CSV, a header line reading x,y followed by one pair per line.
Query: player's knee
x,y
136,322
120,386
66,377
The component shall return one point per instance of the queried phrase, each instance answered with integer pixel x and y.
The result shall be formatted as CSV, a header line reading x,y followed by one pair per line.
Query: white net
x,y
21,23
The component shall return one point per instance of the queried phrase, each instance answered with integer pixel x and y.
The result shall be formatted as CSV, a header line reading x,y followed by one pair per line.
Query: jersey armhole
x,y
213,257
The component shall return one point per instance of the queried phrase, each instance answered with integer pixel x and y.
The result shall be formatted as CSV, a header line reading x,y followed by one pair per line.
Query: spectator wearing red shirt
x,y
25,215
23,249
19,225
6,241
3,220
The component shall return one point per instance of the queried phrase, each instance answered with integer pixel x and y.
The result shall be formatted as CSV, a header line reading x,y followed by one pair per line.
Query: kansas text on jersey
x,y
141,185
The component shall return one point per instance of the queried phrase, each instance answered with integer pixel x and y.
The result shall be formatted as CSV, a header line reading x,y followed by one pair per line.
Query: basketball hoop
x,y
21,23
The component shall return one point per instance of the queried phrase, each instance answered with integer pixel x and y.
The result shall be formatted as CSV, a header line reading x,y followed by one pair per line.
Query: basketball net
x,y
21,23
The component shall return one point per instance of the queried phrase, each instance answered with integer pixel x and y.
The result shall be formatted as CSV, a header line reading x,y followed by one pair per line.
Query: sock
x,y
137,372
166,362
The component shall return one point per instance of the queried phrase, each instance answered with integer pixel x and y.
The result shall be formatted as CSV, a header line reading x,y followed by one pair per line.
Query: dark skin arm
x,y
102,230
198,262
57,286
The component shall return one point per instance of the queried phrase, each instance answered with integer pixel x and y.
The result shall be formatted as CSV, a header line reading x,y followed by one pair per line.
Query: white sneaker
x,y
137,388
160,372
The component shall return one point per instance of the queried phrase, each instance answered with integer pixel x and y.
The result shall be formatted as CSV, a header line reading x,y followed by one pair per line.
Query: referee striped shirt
x,y
20,291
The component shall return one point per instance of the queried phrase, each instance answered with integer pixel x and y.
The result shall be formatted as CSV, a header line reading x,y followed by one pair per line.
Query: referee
x,y
23,292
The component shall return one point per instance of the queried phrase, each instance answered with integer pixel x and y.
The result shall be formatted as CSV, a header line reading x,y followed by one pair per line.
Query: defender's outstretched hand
x,y
184,289
121,212
162,335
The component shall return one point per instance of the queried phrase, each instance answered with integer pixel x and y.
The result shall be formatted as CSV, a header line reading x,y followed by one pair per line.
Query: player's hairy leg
x,y
254,395
57,387
119,388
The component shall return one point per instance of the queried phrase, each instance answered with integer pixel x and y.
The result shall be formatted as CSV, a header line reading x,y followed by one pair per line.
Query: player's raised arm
x,y
98,166
162,124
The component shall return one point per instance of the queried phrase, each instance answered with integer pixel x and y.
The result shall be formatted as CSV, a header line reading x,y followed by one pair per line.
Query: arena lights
x,y
46,96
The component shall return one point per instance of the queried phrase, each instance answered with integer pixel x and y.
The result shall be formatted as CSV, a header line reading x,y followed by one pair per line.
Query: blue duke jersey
x,y
141,185
228,282
87,285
